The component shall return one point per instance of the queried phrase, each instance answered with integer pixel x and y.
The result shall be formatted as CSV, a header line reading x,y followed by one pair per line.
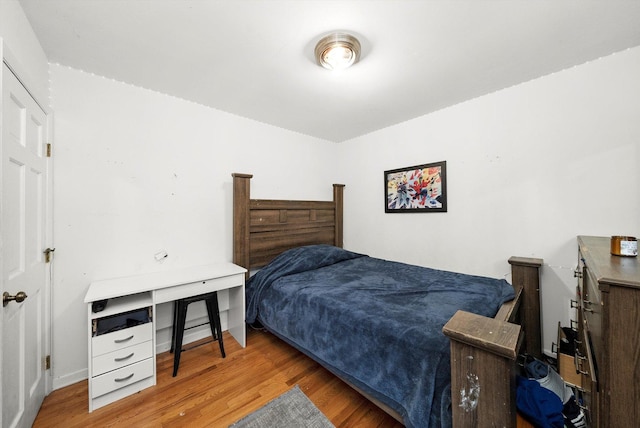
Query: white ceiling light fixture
x,y
337,51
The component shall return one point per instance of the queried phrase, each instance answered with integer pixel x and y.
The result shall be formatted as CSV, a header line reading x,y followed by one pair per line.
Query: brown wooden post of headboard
x,y
338,200
525,273
241,192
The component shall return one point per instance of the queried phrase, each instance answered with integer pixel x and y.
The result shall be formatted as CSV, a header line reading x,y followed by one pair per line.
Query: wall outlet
x,y
161,255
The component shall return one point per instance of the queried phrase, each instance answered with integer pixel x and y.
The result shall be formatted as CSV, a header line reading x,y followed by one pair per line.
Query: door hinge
x,y
48,150
47,362
47,254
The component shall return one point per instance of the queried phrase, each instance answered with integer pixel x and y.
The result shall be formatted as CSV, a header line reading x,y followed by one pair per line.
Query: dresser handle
x,y
122,379
577,273
123,340
574,304
117,360
583,407
587,302
578,359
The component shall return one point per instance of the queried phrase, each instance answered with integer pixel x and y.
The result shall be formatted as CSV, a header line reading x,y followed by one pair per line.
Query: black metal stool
x,y
179,317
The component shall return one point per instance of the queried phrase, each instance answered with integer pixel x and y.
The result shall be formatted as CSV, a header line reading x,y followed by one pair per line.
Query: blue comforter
x,y
376,323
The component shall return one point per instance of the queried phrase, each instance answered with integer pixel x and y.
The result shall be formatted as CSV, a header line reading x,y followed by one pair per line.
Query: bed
x,y
430,347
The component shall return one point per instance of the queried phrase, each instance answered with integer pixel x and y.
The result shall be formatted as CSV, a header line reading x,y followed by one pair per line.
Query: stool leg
x,y
181,317
214,321
174,326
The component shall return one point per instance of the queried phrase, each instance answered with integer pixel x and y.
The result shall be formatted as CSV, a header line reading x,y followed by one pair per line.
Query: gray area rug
x,y
290,410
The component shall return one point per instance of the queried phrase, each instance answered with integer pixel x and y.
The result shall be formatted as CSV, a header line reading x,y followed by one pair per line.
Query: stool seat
x,y
179,317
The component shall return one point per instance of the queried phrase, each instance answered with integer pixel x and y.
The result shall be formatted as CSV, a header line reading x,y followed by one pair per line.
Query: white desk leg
x,y
236,315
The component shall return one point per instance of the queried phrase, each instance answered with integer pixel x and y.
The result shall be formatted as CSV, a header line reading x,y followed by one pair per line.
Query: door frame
x,y
23,77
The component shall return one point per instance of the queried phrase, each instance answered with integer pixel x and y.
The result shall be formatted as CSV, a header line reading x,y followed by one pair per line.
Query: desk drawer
x,y
196,288
121,339
122,357
117,379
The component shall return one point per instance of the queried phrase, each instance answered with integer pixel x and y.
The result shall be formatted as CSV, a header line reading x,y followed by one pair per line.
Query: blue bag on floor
x,y
539,405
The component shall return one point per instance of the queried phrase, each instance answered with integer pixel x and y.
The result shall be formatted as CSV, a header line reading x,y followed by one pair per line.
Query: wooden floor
x,y
210,391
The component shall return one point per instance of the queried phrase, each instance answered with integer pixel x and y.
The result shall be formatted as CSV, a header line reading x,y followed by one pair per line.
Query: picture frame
x,y
418,189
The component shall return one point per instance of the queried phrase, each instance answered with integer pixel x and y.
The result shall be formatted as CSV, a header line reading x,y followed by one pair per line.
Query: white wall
x,y
23,50
137,172
529,168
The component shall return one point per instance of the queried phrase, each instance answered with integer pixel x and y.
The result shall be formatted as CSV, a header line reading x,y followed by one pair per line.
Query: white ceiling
x,y
254,58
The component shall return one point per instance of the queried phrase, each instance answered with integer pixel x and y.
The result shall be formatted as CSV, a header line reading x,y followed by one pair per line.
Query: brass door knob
x,y
19,297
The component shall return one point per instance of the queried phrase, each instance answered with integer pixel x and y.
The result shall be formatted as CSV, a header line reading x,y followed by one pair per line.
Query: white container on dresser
x,y
122,336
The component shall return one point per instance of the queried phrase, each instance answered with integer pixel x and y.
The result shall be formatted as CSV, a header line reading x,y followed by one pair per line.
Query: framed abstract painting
x,y
420,188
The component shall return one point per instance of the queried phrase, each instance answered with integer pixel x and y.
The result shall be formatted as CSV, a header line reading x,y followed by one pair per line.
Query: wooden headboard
x,y
264,228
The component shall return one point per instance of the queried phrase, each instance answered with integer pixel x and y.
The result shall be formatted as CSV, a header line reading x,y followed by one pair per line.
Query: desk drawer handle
x,y
117,360
122,379
123,340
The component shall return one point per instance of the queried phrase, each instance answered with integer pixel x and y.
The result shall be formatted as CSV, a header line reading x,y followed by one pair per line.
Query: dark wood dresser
x,y
608,356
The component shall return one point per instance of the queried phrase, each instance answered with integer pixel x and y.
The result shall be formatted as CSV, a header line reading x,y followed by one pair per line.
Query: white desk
x,y
123,362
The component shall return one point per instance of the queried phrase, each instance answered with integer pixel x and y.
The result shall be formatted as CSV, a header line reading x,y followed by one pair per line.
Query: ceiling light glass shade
x,y
337,51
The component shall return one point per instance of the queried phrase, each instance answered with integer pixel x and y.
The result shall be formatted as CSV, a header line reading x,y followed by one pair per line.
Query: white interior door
x,y
23,225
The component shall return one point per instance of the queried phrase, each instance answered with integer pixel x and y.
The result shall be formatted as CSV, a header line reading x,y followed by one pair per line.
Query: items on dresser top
x,y
626,246
99,305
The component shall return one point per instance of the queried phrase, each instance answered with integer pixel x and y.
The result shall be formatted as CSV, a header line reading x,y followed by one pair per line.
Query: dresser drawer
x,y
119,378
585,366
592,329
591,289
122,357
121,339
566,353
